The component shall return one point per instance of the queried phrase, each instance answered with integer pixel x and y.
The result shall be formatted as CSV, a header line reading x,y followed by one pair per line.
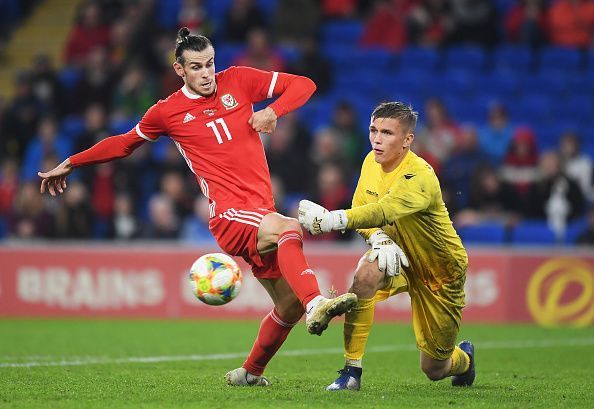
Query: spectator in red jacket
x,y
88,34
527,23
572,23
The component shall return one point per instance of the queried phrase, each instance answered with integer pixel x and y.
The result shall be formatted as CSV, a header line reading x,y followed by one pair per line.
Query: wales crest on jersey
x,y
228,101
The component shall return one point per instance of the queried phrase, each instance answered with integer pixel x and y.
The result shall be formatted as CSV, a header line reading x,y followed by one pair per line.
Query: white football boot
x,y
241,377
318,318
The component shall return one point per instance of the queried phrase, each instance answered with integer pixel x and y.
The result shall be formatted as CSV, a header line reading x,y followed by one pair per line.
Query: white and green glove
x,y
389,256
317,219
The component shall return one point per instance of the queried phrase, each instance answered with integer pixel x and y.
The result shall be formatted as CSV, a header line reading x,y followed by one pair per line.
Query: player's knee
x,y
289,224
367,278
434,373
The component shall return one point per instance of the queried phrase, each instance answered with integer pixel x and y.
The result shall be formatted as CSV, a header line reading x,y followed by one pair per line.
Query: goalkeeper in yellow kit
x,y
398,209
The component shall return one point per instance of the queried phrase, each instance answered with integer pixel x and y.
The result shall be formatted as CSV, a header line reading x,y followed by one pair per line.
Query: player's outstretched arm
x,y
55,179
106,150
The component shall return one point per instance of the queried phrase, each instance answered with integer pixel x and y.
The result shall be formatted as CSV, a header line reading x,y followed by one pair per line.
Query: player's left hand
x,y
55,179
388,254
317,219
263,121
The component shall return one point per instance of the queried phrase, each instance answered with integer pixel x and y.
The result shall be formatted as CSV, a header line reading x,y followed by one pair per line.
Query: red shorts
x,y
236,232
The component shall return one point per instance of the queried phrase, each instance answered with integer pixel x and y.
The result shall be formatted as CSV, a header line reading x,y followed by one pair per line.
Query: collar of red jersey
x,y
188,94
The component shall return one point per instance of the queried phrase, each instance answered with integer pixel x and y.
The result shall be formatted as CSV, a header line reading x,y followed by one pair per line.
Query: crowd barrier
x,y
550,287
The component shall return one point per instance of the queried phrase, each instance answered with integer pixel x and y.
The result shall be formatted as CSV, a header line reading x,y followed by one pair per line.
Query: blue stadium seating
x,y
484,233
419,59
72,127
581,83
498,85
578,109
453,81
3,228
466,58
341,32
533,233
513,59
120,126
551,81
216,9
563,59
574,229
587,139
69,76
167,12
473,110
225,53
532,108
590,62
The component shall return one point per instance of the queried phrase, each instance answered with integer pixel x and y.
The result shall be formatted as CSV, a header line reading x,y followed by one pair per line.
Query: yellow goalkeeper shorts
x,y
436,315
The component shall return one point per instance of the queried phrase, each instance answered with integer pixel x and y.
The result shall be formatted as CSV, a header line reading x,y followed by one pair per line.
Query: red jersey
x,y
214,137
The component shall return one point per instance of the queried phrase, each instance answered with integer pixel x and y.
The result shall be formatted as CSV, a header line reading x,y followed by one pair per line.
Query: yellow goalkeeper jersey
x,y
407,204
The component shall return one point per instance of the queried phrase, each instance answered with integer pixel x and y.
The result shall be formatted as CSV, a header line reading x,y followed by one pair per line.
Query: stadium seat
x,y
72,126
289,53
498,86
590,62
69,77
576,109
120,126
484,233
216,9
533,233
268,7
587,139
465,58
513,59
472,110
532,108
341,32
550,80
504,6
574,229
225,54
581,83
168,12
3,228
418,59
568,60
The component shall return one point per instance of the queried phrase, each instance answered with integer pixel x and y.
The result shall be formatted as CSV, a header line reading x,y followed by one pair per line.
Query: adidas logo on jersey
x,y
189,117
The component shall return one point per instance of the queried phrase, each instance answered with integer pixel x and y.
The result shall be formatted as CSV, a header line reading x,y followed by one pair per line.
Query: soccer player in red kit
x,y
212,123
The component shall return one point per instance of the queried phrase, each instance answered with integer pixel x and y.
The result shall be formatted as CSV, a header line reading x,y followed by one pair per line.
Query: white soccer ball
x,y
215,279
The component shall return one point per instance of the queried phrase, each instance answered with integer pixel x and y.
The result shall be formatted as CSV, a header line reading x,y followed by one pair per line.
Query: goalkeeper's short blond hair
x,y
404,113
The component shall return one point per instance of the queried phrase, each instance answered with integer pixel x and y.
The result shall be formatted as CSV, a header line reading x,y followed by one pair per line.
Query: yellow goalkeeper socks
x,y
460,362
357,326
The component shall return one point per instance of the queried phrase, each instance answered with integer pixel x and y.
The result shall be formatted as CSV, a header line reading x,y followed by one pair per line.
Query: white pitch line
x,y
81,361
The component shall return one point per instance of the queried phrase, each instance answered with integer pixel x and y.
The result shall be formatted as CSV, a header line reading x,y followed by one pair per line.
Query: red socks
x,y
272,334
294,267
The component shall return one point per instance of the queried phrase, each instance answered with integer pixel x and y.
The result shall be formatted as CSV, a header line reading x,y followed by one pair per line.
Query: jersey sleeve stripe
x,y
143,136
272,84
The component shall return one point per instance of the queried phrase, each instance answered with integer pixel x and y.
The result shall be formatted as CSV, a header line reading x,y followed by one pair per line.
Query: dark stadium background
x,y
95,305
485,77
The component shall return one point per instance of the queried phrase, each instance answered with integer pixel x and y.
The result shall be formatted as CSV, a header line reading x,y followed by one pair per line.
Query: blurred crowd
x,y
117,63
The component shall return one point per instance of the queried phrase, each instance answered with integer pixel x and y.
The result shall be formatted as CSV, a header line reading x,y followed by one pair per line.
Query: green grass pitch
x,y
180,364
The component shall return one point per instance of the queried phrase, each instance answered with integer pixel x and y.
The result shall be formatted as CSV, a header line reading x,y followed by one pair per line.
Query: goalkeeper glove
x,y
389,256
317,219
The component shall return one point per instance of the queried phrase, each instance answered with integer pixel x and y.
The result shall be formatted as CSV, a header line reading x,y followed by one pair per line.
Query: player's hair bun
x,y
182,34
